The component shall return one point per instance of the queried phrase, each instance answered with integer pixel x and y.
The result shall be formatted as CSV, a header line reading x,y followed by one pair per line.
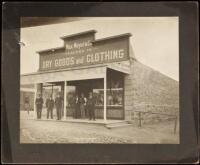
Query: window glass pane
x,y
46,92
114,96
50,90
115,88
99,96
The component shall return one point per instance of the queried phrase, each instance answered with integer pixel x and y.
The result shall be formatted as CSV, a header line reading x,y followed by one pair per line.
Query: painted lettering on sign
x,y
47,64
105,56
84,53
77,45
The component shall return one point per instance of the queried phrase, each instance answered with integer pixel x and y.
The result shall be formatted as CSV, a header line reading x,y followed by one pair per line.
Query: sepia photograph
x,y
99,80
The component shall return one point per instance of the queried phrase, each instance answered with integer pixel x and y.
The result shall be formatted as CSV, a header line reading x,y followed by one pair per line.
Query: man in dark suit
x,y
76,107
39,104
49,106
91,106
58,105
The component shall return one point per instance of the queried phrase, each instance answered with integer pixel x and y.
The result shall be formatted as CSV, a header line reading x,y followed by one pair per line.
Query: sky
x,y
155,40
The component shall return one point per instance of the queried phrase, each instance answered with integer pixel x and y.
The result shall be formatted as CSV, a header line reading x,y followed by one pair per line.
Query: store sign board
x,y
81,52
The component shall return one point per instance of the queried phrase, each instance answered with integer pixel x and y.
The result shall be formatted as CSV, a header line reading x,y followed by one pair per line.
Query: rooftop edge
x,y
112,37
77,34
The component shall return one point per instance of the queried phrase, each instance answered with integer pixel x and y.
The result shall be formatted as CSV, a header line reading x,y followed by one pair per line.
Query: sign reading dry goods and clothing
x,y
82,50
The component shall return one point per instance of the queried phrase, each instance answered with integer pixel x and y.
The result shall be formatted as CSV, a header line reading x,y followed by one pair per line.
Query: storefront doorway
x,y
114,92
83,86
84,89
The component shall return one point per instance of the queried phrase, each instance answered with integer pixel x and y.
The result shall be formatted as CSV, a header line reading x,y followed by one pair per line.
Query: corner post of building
x,y
105,98
65,101
34,106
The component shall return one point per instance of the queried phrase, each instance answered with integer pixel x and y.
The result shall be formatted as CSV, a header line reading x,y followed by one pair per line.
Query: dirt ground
x,y
52,131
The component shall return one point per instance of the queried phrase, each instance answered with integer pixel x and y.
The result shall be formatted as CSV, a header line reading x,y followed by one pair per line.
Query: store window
x,y
50,90
46,92
114,90
99,96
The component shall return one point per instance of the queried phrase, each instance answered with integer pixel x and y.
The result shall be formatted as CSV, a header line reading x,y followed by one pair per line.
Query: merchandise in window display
x,y
114,96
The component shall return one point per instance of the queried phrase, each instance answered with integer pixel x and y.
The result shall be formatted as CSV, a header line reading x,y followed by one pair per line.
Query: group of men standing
x,y
83,107
50,103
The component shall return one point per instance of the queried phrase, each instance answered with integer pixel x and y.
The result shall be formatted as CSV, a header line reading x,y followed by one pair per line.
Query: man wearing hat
x,y
91,106
58,105
39,103
49,106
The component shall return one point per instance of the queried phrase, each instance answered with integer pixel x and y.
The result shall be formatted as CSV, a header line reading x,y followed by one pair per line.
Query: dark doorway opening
x,y
84,86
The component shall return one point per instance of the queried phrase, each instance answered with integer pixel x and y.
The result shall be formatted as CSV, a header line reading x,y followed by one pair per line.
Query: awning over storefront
x,y
81,73
64,75
123,67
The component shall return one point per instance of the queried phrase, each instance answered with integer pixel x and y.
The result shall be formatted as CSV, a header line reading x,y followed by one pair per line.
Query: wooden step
x,y
118,124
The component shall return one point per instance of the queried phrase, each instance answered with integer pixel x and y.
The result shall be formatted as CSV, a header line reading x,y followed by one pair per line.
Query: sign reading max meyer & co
x,y
83,51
